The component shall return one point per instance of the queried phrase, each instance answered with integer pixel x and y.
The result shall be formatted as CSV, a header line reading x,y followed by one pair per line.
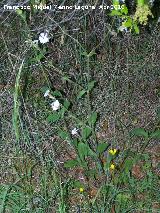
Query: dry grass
x,y
126,95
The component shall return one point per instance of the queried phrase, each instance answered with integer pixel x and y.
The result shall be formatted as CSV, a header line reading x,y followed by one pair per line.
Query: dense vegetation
x,y
80,110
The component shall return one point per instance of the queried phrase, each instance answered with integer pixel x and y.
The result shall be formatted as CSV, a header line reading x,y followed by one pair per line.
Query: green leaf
x,y
140,2
19,12
91,173
64,135
64,108
93,118
123,197
44,89
38,57
57,93
147,166
115,2
71,163
124,10
91,85
75,142
78,184
155,134
136,28
140,132
91,153
66,104
81,93
128,165
53,117
62,112
115,13
127,23
86,132
101,147
82,150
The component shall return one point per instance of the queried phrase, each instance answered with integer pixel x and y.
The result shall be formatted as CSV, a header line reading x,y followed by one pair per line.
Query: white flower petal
x,y
35,42
74,131
46,93
55,105
121,28
43,38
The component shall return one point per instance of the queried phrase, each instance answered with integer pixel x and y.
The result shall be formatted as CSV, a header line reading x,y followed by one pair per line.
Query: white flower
x,y
43,37
46,93
151,2
55,105
122,28
74,131
35,42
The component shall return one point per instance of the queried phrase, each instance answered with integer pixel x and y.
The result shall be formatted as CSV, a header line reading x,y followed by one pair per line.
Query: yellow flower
x,y
81,189
113,151
112,166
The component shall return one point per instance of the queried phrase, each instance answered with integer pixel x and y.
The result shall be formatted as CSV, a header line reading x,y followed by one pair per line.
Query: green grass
x,y
106,95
